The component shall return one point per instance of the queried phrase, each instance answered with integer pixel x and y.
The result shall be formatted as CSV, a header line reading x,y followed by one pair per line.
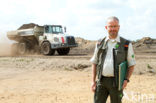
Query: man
x,y
109,53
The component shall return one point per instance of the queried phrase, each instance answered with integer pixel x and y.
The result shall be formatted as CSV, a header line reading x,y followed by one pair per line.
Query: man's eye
x,y
112,26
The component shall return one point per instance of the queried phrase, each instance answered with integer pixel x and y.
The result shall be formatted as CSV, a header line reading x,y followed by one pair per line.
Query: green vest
x,y
119,56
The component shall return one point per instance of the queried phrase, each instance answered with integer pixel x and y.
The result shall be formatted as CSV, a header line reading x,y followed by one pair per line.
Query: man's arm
x,y
93,77
129,73
131,64
94,61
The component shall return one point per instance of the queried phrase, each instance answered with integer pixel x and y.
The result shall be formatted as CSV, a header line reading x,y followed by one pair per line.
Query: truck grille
x,y
70,40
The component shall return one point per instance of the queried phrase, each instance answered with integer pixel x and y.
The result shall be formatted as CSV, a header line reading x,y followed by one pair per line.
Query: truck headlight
x,y
56,39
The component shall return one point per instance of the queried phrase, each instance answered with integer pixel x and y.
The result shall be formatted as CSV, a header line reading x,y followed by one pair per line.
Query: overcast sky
x,y
83,18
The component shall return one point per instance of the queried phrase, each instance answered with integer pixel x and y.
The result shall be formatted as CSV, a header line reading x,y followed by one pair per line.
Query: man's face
x,y
112,27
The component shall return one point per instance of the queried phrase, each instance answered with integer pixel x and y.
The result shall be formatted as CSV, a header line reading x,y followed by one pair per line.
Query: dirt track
x,y
66,79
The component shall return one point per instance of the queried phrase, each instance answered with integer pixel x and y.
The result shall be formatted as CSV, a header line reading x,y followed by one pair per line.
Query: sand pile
x,y
27,26
84,46
146,45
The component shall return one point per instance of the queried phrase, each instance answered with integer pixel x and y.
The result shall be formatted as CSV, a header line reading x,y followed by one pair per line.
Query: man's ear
x,y
106,27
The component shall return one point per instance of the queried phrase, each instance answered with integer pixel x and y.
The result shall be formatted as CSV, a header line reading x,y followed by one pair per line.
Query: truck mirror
x,y
46,29
65,29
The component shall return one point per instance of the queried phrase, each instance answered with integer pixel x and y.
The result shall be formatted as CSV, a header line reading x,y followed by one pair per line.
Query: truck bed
x,y
18,34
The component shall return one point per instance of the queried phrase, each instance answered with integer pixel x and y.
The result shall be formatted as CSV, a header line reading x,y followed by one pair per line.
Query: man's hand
x,y
124,84
130,71
93,86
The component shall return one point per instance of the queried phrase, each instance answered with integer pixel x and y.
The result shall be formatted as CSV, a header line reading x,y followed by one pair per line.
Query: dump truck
x,y
44,39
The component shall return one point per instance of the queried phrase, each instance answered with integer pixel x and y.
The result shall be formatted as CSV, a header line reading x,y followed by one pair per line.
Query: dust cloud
x,y
5,45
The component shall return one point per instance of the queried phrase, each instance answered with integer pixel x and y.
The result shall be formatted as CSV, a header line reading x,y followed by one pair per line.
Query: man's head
x,y
112,26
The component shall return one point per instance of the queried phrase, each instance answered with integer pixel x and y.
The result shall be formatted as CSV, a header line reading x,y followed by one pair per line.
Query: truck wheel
x,y
46,49
63,51
22,48
14,49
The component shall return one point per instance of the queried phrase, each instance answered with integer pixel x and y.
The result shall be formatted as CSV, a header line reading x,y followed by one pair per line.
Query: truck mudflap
x,y
63,45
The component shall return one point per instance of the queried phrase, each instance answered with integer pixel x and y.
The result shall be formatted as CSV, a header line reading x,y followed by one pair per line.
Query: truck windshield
x,y
53,29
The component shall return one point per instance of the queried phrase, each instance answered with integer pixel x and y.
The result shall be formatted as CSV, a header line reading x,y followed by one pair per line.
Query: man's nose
x,y
113,28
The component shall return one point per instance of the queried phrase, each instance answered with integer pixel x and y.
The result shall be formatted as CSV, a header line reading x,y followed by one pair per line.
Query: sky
x,y
83,18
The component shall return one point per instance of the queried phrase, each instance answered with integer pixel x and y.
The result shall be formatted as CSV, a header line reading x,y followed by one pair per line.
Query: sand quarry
x,y
67,79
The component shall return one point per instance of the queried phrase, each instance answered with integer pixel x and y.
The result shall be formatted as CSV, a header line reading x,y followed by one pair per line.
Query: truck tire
x,y
63,51
46,49
14,49
22,48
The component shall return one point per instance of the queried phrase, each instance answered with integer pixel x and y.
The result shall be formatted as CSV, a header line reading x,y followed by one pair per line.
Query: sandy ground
x,y
66,79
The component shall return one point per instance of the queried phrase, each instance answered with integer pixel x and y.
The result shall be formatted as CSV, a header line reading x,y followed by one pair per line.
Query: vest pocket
x,y
120,56
98,70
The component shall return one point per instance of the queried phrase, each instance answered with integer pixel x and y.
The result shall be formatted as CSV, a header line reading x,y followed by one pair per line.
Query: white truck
x,y
46,39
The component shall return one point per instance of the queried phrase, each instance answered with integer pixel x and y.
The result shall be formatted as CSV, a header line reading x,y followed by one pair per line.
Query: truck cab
x,y
54,38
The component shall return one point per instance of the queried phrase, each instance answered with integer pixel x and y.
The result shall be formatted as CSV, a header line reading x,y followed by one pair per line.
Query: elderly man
x,y
109,53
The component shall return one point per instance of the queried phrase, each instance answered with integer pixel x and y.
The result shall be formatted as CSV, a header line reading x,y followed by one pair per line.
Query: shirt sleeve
x,y
94,58
131,56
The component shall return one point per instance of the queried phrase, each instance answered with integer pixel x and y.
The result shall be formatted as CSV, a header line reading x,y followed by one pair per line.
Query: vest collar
x,y
117,39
